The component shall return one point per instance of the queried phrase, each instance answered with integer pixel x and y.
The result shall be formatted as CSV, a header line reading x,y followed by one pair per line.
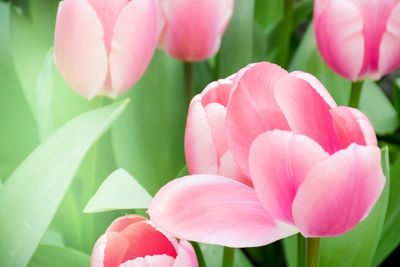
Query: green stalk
x,y
285,34
312,252
199,254
188,69
301,251
228,257
356,88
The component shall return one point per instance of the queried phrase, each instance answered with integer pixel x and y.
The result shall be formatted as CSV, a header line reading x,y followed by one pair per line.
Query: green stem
x,y
188,69
285,34
356,88
301,251
312,252
228,257
199,254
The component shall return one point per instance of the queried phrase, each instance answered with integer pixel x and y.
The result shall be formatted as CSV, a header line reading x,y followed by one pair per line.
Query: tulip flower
x,y
315,167
206,142
104,47
134,241
359,39
192,30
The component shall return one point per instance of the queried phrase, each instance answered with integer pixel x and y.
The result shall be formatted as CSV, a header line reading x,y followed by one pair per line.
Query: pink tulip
x,y
206,142
192,30
134,241
104,47
359,39
315,167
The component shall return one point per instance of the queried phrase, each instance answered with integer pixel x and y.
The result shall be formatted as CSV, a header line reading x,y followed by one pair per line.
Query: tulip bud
x,y
134,241
104,47
192,30
206,140
359,39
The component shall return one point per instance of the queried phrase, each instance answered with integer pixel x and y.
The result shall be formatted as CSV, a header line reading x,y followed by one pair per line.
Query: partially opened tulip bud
x,y
104,47
134,241
192,30
359,39
206,140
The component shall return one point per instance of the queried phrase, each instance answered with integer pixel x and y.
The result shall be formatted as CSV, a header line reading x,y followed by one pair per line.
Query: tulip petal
x,y
307,112
217,92
79,50
186,255
118,225
390,45
150,261
339,192
201,154
352,126
216,114
279,162
253,110
133,43
339,32
229,168
216,210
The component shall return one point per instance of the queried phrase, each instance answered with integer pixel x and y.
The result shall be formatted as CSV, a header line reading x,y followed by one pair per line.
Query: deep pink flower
x,y
104,46
315,167
134,241
359,39
192,30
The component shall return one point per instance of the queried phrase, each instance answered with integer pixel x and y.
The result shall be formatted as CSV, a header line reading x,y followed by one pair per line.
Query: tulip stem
x,y
312,252
188,69
356,88
301,251
199,254
282,57
228,257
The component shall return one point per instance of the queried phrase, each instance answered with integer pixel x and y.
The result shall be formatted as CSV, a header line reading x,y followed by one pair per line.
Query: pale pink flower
x,y
192,30
104,46
359,38
315,167
135,242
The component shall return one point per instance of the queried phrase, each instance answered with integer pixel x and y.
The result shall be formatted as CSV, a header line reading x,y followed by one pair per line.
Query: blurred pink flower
x,y
104,47
359,39
133,241
315,167
192,30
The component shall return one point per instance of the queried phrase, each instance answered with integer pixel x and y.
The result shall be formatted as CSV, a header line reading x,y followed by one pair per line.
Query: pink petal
x,y
352,126
339,33
390,45
150,261
339,192
215,114
217,92
229,168
133,43
79,50
200,151
216,210
119,224
307,112
279,162
193,29
253,110
186,255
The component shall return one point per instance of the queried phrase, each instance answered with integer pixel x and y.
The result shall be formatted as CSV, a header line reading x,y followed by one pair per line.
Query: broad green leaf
x,y
17,124
237,44
52,237
213,256
148,138
268,12
119,191
290,250
357,247
38,185
390,239
378,108
57,256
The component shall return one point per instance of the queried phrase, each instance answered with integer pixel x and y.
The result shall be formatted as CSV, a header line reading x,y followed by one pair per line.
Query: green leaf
x,y
57,256
213,256
390,239
148,138
268,12
237,44
357,247
290,250
38,185
119,191
378,108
